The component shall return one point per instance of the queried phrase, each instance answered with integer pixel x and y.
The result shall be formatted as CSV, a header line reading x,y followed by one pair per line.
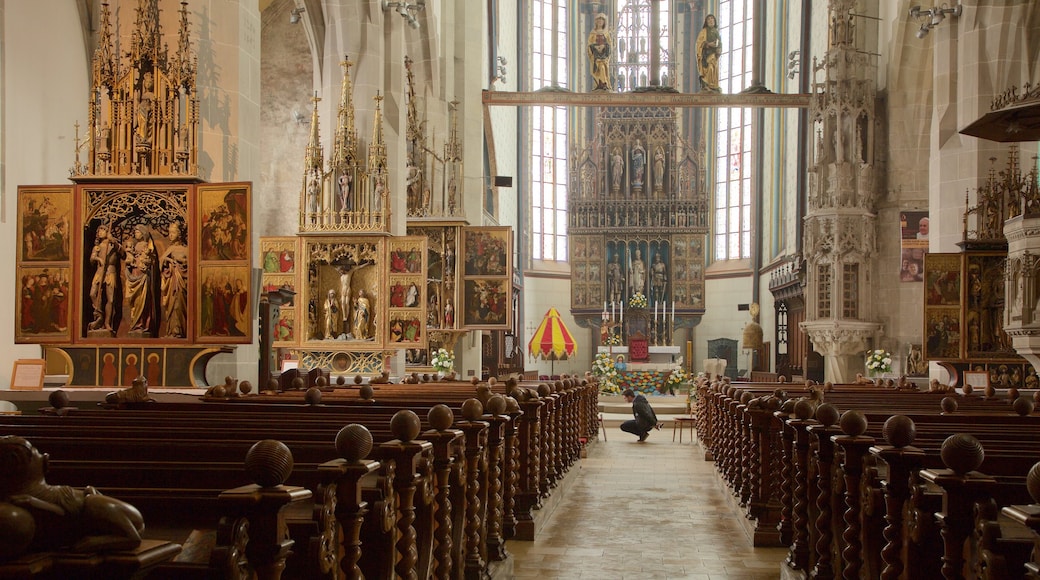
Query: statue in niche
x,y
146,111
105,258
137,280
617,169
40,516
659,168
173,267
332,311
638,164
615,279
637,273
362,316
658,278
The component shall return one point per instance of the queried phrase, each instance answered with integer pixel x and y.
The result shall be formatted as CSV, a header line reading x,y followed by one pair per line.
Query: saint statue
x,y
331,315
362,316
659,168
105,259
617,169
658,278
615,279
173,267
599,46
709,47
637,273
137,281
638,164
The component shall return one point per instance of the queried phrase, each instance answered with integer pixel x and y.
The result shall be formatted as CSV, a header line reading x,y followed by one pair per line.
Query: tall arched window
x,y
733,136
548,67
634,37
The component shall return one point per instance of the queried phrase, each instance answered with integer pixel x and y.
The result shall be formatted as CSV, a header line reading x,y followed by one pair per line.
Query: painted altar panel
x,y
406,316
278,271
964,313
487,277
225,267
942,306
43,265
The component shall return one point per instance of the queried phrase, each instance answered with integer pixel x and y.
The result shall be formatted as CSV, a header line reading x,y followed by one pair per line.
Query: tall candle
x,y
622,309
655,310
673,311
612,310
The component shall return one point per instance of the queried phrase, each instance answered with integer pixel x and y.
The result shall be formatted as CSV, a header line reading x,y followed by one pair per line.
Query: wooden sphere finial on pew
x,y
853,423
962,453
273,385
312,396
298,384
948,405
405,425
1033,482
1023,406
496,405
354,442
827,414
440,417
512,405
269,463
472,409
544,390
1013,394
899,430
245,387
366,392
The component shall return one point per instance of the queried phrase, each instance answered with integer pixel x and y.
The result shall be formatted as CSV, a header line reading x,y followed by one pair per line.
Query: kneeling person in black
x,y
645,419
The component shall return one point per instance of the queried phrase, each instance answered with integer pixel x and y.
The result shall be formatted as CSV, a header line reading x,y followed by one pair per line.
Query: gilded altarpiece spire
x,y
840,241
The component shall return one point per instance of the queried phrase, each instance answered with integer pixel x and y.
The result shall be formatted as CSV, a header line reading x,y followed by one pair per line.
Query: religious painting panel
x,y
44,305
488,251
285,328
487,304
275,282
154,366
44,224
278,255
108,369
225,313
407,299
942,275
130,365
942,333
345,289
984,306
224,221
135,267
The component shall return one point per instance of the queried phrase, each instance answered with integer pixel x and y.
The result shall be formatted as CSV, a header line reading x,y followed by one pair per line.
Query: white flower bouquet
x,y
638,300
442,360
879,362
604,370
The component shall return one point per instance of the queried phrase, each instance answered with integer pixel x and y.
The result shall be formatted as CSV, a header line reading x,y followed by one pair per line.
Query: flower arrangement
x,y
638,300
679,374
442,360
603,369
614,340
879,361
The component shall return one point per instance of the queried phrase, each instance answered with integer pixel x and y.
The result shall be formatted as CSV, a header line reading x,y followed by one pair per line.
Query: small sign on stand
x,y
28,374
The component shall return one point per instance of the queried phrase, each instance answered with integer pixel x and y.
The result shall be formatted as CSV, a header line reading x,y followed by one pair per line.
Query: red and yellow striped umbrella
x,y
552,340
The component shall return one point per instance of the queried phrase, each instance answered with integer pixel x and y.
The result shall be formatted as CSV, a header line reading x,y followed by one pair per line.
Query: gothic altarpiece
x,y
357,293
139,268
638,225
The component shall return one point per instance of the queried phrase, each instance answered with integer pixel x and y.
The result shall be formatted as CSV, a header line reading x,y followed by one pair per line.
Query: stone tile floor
x,y
653,510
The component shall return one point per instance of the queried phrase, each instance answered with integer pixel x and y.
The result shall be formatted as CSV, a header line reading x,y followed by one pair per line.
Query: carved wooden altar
x,y
139,265
638,217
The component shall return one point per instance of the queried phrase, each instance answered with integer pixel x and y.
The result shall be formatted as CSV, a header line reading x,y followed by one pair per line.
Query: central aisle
x,y
644,511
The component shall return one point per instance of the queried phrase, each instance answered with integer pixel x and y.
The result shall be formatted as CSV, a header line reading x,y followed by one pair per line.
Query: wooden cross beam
x,y
647,99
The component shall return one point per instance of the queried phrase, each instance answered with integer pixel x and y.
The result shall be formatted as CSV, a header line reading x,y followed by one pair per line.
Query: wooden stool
x,y
680,424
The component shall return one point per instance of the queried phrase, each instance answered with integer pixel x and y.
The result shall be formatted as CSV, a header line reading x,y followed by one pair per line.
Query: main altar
x,y
639,230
